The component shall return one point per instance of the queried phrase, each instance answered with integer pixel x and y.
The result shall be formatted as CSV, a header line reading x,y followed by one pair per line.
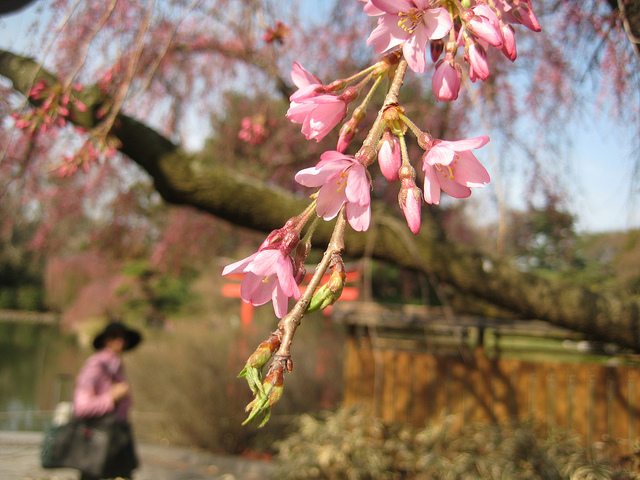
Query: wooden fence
x,y
409,369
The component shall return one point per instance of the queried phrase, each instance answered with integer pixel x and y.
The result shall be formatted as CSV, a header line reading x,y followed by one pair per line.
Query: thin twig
x,y
367,152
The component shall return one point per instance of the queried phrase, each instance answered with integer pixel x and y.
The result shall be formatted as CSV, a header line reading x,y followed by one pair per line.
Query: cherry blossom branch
x,y
291,321
345,182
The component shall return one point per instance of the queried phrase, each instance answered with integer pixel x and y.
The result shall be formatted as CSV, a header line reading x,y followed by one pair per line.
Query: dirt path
x,y
19,461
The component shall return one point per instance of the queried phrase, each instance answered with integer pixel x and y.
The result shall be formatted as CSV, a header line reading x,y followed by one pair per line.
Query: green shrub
x,y
29,297
350,444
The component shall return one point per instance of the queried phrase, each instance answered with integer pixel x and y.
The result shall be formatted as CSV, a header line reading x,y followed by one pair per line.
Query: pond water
x,y
38,364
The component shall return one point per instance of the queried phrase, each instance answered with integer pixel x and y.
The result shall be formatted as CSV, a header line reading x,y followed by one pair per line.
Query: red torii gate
x,y
350,292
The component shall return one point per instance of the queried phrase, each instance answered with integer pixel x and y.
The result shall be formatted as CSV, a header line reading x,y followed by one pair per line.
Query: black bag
x,y
100,446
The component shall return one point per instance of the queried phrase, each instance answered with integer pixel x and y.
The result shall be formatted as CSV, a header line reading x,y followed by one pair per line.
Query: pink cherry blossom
x,y
342,180
268,275
318,115
318,112
252,130
452,168
410,23
389,158
446,80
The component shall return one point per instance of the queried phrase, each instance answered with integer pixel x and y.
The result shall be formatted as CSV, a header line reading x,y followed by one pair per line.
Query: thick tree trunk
x,y
183,178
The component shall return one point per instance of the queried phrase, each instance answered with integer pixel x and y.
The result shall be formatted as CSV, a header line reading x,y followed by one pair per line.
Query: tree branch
x,y
187,179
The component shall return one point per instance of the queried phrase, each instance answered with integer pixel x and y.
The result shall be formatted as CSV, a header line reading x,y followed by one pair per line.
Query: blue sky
x,y
601,159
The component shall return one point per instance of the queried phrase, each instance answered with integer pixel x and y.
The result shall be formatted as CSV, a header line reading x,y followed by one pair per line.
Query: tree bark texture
x,y
190,179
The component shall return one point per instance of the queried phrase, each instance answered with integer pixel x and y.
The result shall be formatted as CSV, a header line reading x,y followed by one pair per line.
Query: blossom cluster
x,y
406,30
253,130
54,106
444,28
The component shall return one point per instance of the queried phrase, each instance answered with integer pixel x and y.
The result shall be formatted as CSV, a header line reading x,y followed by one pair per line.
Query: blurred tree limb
x,y
190,179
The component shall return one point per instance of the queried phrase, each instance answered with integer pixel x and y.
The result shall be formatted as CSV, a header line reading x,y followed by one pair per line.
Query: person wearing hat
x,y
101,388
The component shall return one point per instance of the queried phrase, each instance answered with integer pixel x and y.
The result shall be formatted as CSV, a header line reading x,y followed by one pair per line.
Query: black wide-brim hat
x,y
118,330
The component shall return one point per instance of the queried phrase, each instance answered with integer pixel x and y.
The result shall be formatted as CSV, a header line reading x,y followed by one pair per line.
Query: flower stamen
x,y
410,20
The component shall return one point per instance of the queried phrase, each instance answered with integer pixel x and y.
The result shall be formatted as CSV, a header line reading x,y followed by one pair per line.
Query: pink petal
x,y
359,216
422,4
298,112
256,289
331,198
358,187
307,92
280,302
393,6
370,9
334,156
316,177
466,144
469,171
437,23
322,120
431,185
414,50
265,262
284,270
439,154
301,77
238,267
387,34
451,187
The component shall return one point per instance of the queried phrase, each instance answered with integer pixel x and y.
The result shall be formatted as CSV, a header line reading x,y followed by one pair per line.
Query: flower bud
x,y
267,395
446,80
329,293
389,158
349,94
484,25
299,257
477,58
435,49
410,200
290,241
262,354
347,131
508,41
274,383
523,13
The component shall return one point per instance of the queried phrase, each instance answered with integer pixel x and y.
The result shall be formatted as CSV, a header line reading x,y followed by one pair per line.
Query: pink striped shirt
x,y
92,395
